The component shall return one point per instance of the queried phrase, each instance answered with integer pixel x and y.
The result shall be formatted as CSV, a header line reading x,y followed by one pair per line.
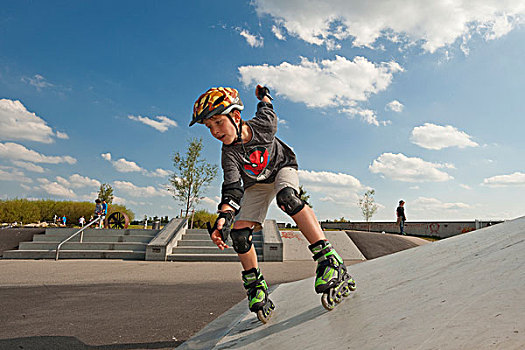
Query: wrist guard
x,y
232,195
262,91
229,217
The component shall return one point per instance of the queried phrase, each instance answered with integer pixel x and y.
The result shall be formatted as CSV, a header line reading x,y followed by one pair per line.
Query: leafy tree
x,y
192,175
368,206
305,197
106,193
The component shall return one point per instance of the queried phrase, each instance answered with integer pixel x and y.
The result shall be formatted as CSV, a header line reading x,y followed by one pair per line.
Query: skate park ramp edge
x,y
464,292
295,245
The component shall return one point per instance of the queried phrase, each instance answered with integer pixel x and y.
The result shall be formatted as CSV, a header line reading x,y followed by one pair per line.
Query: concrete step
x,y
205,257
208,242
207,250
196,236
97,232
83,246
50,238
197,230
75,254
202,257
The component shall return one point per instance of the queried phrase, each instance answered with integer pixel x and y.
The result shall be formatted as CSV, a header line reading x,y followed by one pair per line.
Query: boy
x,y
258,167
98,211
401,218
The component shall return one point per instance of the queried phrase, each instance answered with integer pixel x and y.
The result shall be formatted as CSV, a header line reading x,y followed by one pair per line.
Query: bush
x,y
201,218
27,211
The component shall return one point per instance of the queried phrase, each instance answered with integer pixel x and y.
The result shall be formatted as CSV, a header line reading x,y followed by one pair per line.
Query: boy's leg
x,y
248,259
252,278
331,271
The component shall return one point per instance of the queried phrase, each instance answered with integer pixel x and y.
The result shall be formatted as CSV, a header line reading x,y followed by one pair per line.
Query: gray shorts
x,y
257,198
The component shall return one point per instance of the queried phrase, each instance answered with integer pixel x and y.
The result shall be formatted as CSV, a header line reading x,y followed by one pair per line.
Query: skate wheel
x,y
328,303
265,313
346,291
352,286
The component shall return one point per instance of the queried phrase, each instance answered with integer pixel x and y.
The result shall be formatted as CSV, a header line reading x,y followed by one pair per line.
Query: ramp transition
x,y
464,292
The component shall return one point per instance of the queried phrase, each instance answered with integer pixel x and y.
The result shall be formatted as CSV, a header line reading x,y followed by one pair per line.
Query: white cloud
x,y
409,169
514,179
432,204
15,151
125,166
338,188
252,40
17,123
12,174
367,115
159,173
29,166
79,181
467,187
161,124
431,24
62,135
57,189
436,137
278,33
37,81
340,83
395,106
136,191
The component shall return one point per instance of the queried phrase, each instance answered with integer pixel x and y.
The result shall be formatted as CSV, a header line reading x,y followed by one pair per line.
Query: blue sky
x,y
421,102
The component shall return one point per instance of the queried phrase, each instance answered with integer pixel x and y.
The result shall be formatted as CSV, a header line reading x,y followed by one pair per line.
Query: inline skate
x,y
332,278
257,291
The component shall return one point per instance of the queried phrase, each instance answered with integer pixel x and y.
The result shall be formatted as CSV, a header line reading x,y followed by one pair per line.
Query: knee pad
x,y
242,240
289,201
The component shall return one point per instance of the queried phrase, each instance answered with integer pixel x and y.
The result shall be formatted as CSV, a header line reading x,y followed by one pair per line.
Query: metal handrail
x,y
74,234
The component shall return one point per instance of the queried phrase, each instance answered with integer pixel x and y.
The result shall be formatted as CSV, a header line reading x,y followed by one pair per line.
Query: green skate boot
x,y
257,291
332,278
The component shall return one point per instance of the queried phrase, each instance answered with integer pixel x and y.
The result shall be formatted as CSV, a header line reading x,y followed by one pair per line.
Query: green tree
x,y
192,175
305,197
106,193
368,206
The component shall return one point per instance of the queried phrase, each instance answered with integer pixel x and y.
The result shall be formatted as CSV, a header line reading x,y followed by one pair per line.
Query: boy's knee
x,y
289,201
242,239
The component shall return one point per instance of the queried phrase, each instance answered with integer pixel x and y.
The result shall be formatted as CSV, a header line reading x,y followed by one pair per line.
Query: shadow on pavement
x,y
72,343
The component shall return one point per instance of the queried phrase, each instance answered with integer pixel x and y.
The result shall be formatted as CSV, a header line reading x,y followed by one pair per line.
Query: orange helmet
x,y
215,101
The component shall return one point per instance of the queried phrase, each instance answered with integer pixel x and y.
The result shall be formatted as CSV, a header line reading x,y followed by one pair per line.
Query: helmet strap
x,y
238,129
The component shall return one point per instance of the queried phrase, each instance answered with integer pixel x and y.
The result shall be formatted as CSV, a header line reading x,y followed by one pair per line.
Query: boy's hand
x,y
263,93
221,229
216,236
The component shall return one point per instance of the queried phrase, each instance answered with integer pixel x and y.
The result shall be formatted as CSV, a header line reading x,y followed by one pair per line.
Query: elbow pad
x,y
232,194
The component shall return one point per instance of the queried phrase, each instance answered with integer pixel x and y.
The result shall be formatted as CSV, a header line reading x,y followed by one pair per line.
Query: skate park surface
x,y
464,292
442,298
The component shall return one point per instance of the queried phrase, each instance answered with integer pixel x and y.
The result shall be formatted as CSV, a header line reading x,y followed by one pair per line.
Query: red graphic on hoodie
x,y
258,160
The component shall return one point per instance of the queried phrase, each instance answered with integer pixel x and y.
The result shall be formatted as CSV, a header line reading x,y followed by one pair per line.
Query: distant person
x,y
104,212
98,210
401,218
81,221
64,220
55,219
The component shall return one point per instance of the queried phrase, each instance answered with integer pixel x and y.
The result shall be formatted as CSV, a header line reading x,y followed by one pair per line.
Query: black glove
x,y
261,91
229,216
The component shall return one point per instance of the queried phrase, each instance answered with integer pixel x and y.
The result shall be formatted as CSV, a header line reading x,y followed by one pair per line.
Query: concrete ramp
x,y
295,246
465,292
